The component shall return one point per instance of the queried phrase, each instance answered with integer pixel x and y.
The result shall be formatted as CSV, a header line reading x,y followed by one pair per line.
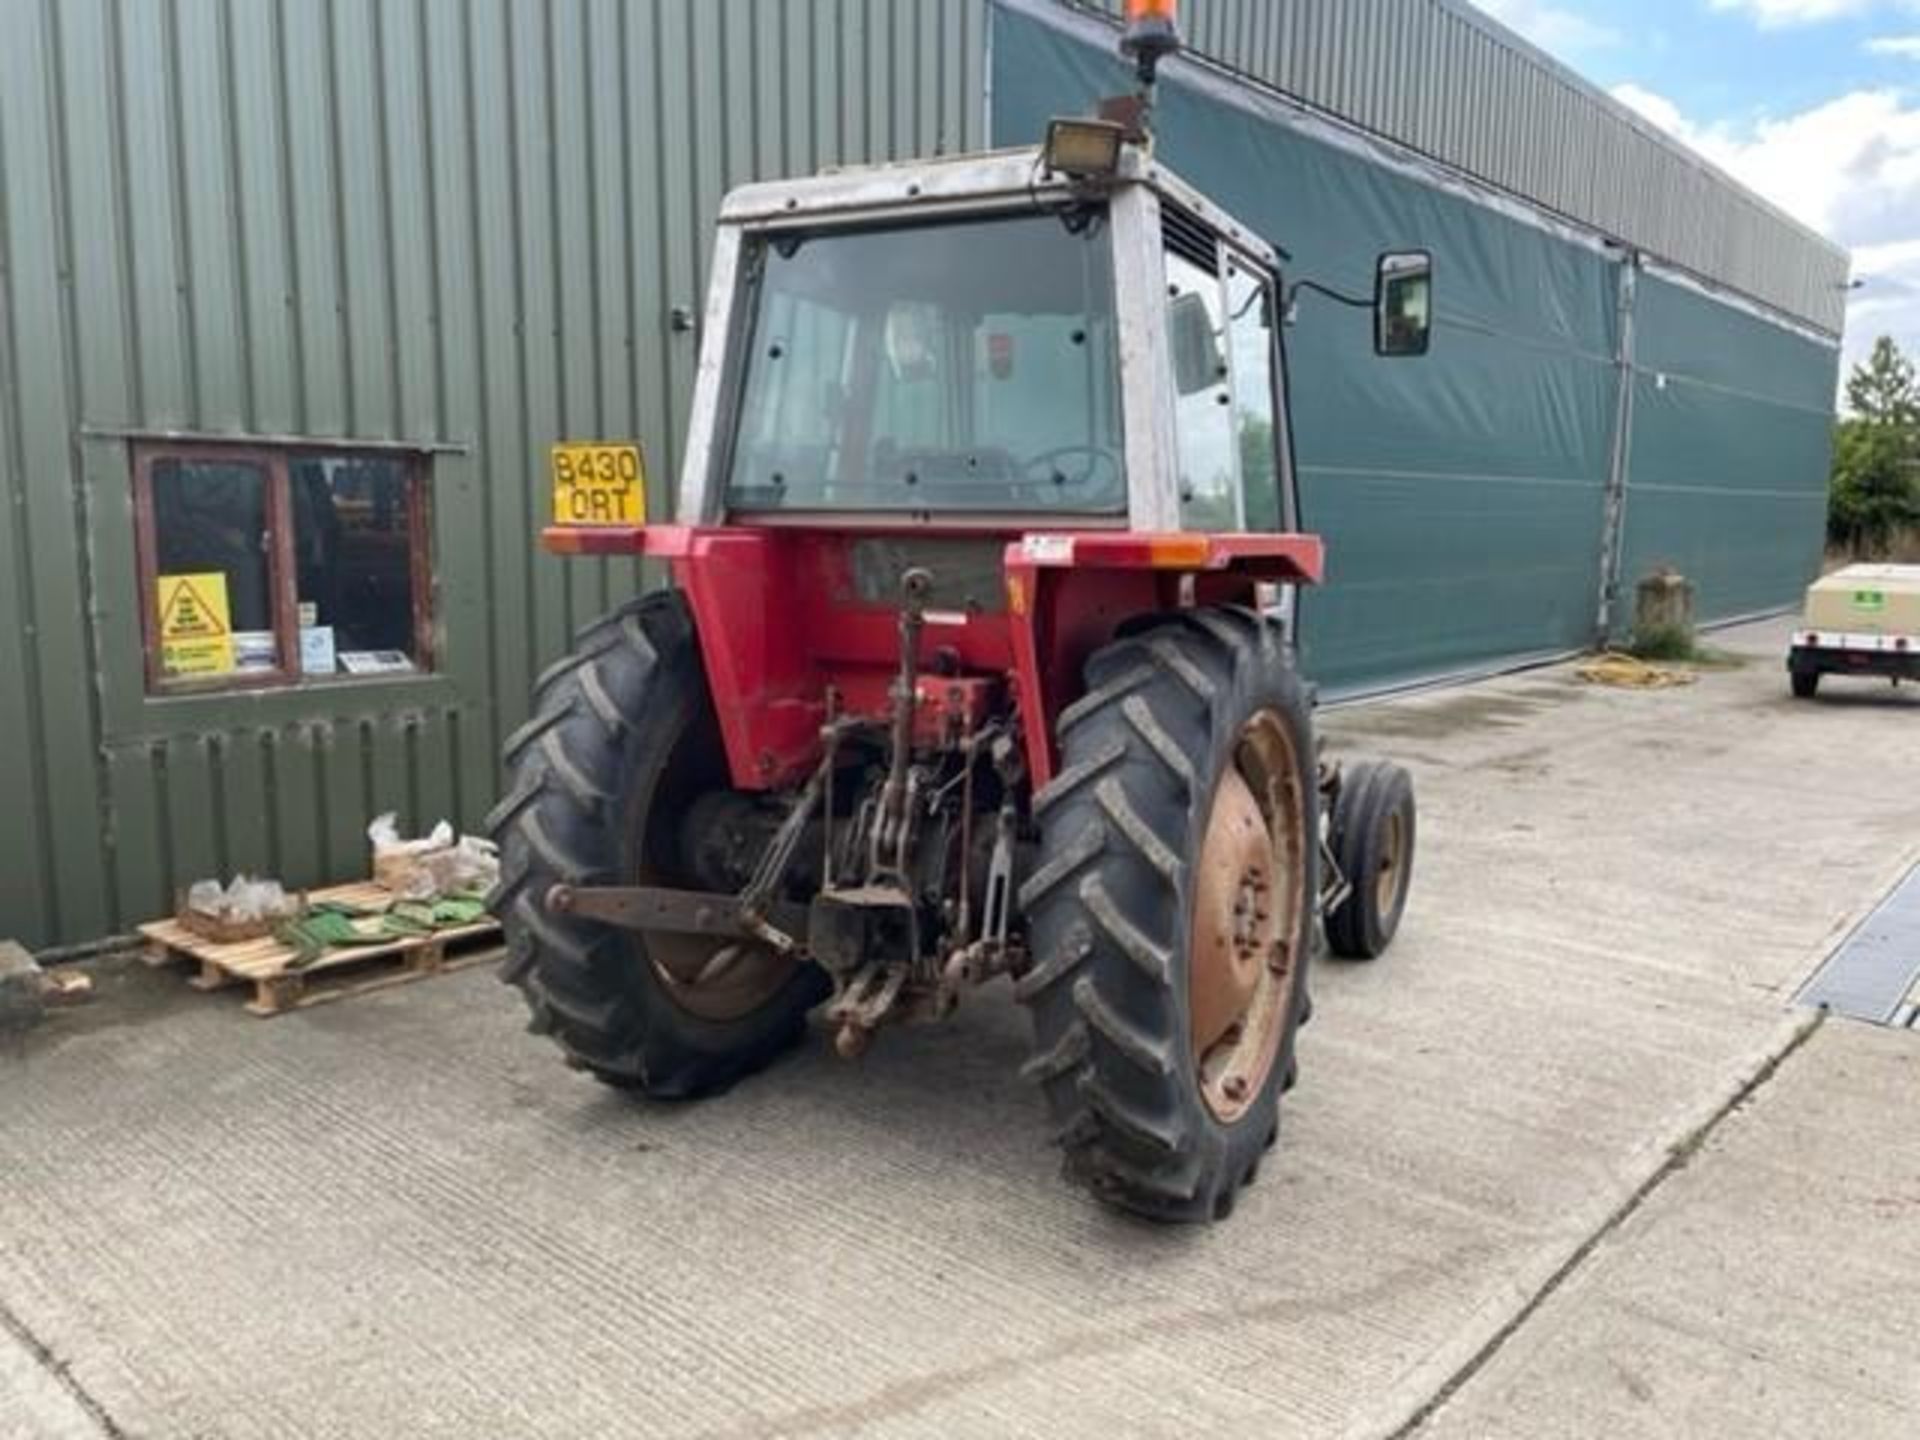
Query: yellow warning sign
x,y
196,633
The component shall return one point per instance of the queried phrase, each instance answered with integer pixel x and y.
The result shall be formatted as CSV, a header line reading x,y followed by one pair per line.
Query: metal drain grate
x,y
1872,975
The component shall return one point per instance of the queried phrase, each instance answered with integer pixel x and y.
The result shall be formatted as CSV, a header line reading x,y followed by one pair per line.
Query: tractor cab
x,y
977,662
1066,335
988,338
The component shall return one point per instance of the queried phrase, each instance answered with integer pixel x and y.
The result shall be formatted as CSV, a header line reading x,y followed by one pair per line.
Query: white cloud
x,y
1888,300
1772,14
1851,169
1553,28
1906,47
1657,108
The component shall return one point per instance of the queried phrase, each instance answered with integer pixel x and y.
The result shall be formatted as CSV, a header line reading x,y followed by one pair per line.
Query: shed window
x,y
263,566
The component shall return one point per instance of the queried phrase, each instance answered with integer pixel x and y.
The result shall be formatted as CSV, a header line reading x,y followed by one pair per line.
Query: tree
x,y
1881,389
1876,453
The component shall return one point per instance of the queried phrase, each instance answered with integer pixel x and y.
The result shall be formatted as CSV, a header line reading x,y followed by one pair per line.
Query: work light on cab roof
x,y
1084,148
978,664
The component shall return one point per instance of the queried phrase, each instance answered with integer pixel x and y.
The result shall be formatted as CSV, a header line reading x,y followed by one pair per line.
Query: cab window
x,y
1250,321
960,366
1203,394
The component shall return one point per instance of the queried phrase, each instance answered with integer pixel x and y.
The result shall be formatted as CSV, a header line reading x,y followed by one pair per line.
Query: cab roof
x,y
993,179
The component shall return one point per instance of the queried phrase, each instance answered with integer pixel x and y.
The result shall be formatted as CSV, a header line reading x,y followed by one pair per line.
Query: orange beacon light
x,y
1152,34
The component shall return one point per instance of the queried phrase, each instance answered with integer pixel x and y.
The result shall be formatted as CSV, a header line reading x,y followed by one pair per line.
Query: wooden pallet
x,y
342,971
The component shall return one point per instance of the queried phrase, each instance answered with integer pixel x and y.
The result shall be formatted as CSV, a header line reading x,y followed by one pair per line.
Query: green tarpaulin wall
x,y
1463,495
1732,438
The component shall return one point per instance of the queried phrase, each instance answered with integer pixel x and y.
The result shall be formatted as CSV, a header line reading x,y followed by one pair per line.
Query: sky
x,y
1813,103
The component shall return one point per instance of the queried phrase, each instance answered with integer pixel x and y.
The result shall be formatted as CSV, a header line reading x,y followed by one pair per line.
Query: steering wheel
x,y
1047,462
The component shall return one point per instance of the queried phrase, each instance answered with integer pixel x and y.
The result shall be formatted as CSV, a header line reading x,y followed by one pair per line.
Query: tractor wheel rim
x,y
717,980
712,979
1242,965
1393,867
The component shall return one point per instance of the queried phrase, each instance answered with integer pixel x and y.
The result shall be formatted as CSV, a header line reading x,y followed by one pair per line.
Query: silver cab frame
x,y
975,185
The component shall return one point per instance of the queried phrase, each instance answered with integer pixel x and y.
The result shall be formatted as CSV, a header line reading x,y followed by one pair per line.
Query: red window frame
x,y
282,572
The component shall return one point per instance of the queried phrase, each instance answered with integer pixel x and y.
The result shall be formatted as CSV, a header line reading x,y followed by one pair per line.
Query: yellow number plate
x,y
599,485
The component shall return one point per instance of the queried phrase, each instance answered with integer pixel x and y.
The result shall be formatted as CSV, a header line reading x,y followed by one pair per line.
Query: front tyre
x,y
1171,912
1372,837
622,741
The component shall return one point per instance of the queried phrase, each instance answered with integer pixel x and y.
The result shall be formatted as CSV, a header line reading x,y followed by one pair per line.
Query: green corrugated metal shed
x,y
460,228
458,225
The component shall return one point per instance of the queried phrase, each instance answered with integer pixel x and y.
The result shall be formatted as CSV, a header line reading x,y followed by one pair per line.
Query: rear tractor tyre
x,y
1171,912
622,740
1372,837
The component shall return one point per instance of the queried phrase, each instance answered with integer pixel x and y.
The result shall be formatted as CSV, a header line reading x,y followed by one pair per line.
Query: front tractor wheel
x,y
622,742
1372,837
1171,912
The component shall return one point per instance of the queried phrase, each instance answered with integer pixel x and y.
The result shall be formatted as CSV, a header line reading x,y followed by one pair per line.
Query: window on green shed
x,y
279,566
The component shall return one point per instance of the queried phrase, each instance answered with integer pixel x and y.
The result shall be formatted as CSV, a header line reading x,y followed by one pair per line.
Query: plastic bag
x,y
385,835
435,865
245,900
471,865
251,899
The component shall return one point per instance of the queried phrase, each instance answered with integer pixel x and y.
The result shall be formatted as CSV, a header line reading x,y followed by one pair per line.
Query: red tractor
x,y
978,661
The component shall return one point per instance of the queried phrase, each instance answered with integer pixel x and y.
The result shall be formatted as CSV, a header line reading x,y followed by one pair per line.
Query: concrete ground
x,y
1770,1287
1565,1161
